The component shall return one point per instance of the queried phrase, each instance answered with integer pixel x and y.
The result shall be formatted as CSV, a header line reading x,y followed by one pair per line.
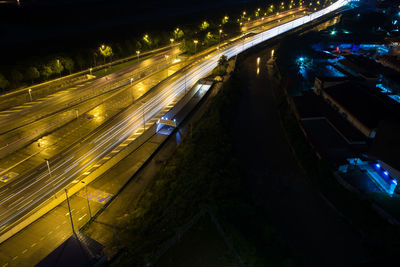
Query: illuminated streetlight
x,y
69,209
171,40
195,46
138,53
219,43
79,123
48,168
30,93
87,199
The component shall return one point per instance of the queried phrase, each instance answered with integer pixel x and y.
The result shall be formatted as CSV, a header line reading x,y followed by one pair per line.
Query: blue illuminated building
x,y
375,171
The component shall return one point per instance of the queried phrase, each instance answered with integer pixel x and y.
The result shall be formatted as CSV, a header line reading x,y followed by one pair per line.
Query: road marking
x,y
95,195
5,264
34,244
8,176
16,257
82,217
58,226
50,233
42,238
25,250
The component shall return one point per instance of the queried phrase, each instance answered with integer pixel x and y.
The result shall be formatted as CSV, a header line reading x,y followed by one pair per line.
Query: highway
x,y
16,130
26,193
102,107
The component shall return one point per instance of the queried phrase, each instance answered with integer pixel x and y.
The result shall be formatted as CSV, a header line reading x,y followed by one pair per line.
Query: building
x,y
364,107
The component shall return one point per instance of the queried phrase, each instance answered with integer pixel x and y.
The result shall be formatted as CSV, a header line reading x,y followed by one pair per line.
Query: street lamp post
x,y
185,82
104,57
219,43
195,46
166,59
48,168
138,53
69,210
30,93
144,118
79,123
87,199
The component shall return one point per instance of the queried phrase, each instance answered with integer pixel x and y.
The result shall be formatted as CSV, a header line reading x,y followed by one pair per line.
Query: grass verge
x,y
204,172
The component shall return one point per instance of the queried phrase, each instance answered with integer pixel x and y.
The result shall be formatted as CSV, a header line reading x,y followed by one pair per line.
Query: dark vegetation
x,y
68,36
204,173
78,29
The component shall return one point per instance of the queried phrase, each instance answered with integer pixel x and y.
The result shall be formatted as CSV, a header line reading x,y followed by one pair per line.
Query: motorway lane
x,y
20,155
24,194
22,136
52,144
32,189
39,110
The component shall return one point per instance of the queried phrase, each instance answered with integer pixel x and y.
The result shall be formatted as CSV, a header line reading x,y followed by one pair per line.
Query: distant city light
x,y
333,32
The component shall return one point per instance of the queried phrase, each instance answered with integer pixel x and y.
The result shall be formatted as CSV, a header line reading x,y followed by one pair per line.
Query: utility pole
x,y
144,118
30,93
79,123
185,82
219,42
51,177
69,210
87,199
138,53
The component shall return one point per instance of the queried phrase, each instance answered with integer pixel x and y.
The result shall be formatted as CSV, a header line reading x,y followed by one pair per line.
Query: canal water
x,y
314,230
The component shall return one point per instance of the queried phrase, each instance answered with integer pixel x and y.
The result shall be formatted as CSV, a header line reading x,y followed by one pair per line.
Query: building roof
x,y
327,141
78,250
334,78
367,104
386,145
309,105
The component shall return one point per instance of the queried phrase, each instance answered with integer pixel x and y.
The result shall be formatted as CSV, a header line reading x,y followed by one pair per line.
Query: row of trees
x,y
193,38
29,75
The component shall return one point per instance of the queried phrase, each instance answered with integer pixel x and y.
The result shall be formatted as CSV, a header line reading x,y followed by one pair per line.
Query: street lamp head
x,y
195,41
171,40
138,52
102,47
